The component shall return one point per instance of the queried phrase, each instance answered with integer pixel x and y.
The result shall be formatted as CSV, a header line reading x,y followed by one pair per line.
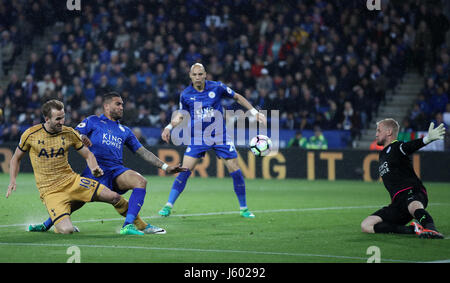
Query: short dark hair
x,y
110,95
49,105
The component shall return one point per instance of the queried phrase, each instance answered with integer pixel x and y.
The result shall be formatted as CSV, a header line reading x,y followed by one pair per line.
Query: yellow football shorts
x,y
81,189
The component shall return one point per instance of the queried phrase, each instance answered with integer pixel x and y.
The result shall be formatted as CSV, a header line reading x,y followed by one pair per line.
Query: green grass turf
x,y
296,221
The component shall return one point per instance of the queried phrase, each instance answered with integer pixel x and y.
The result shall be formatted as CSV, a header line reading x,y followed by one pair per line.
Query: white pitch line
x,y
439,261
215,213
200,250
226,213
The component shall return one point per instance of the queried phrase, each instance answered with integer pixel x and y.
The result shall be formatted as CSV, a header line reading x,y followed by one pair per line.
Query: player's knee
x,y
144,183
141,183
65,229
232,165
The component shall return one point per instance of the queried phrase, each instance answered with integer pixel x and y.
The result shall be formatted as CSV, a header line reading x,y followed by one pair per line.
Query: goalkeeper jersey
x,y
395,166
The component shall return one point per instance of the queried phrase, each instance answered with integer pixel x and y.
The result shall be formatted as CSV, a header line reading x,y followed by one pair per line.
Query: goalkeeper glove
x,y
434,133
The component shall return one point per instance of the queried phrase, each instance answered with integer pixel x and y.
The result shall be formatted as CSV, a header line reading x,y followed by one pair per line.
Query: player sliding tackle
x,y
59,186
106,138
201,103
409,197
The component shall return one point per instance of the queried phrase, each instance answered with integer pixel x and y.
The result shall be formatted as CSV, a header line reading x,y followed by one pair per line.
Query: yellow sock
x,y
140,224
122,207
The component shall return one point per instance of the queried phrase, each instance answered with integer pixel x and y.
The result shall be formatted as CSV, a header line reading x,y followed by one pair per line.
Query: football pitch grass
x,y
296,221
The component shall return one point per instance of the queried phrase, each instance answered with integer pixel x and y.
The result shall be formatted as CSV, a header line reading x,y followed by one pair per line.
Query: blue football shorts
x,y
109,175
225,151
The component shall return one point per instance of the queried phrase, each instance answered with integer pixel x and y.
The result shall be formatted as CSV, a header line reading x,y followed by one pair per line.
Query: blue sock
x,y
239,187
48,223
178,186
135,204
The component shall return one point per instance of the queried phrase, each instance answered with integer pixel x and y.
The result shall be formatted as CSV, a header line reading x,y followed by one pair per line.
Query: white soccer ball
x,y
261,145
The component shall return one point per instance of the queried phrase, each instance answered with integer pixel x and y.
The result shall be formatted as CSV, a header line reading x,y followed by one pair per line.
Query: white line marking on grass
x,y
225,213
215,213
438,261
200,250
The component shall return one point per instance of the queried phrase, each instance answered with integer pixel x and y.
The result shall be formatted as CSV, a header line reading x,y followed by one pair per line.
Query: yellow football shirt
x,y
49,156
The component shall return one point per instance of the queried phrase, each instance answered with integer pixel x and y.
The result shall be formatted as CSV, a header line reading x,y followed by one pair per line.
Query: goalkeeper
x,y
408,195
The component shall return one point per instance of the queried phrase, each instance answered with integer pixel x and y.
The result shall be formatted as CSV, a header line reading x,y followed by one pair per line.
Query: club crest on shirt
x,y
212,94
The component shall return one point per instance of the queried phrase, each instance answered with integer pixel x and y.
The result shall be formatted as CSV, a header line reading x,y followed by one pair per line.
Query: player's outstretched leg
x,y
239,186
106,195
135,204
429,229
177,188
239,190
375,224
135,181
122,208
47,224
43,227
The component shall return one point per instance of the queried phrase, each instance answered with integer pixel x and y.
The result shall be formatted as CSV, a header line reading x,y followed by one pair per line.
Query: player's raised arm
x,y
244,102
432,135
91,161
14,167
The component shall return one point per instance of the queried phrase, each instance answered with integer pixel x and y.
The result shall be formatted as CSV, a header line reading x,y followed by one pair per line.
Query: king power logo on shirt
x,y
207,126
112,140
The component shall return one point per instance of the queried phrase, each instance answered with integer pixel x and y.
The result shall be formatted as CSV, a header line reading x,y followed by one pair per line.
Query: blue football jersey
x,y
108,138
204,108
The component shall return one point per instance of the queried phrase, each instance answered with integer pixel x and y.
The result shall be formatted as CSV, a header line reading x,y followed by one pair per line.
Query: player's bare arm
x,y
86,141
91,161
176,120
244,102
14,167
151,158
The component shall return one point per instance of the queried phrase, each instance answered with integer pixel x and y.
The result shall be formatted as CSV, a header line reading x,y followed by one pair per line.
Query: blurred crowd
x,y
324,64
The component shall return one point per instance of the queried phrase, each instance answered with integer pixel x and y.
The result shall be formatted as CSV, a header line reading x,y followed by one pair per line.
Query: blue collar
x,y
104,118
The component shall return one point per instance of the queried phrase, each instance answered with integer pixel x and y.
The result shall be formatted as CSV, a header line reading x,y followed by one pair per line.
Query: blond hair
x,y
392,124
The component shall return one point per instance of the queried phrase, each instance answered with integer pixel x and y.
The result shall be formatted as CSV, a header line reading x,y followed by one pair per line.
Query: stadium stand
x,y
320,63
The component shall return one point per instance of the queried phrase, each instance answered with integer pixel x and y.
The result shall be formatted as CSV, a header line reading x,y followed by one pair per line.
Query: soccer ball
x,y
261,145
